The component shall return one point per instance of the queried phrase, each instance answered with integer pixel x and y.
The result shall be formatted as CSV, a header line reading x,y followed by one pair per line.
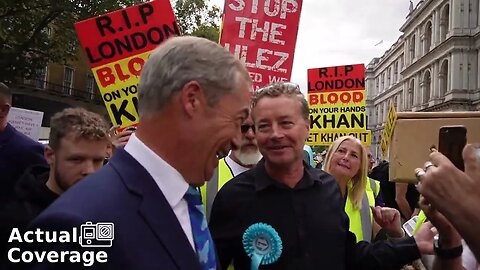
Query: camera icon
x,y
99,234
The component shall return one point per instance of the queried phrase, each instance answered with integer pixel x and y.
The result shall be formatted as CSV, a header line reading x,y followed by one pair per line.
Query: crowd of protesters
x,y
194,97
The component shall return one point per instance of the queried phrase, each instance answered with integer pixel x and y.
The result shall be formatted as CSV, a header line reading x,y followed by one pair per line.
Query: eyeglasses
x,y
244,128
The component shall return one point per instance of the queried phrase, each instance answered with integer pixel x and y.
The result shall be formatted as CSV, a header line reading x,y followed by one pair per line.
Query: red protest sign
x,y
117,46
263,34
339,78
127,32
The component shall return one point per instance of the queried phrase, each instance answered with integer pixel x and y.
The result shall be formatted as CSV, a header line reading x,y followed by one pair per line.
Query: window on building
x,y
395,71
68,74
402,61
443,77
445,22
389,77
426,87
427,37
383,82
377,84
41,78
411,94
412,48
90,85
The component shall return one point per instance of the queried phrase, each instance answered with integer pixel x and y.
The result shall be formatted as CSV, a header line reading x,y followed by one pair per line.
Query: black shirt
x,y
32,197
381,173
309,218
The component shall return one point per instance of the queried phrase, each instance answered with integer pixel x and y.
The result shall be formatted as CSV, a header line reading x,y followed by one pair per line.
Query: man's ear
x,y
4,109
191,98
49,155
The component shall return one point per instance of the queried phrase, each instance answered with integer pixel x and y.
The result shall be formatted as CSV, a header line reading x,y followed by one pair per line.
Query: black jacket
x,y
32,196
381,173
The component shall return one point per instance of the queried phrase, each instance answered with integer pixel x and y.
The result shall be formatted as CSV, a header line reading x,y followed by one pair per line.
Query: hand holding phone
x,y
451,141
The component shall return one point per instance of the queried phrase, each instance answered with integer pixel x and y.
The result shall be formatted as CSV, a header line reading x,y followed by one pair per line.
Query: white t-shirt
x,y
468,259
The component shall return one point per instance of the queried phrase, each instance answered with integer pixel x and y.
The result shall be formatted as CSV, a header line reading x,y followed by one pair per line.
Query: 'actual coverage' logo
x,y
92,235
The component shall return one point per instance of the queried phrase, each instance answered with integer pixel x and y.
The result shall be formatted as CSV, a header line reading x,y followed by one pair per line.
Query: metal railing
x,y
60,90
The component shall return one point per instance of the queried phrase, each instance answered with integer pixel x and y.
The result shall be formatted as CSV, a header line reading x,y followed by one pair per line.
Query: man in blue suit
x,y
193,97
17,151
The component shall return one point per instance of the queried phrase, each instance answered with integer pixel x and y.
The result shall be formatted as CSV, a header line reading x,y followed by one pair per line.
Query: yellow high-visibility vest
x,y
222,175
422,218
361,220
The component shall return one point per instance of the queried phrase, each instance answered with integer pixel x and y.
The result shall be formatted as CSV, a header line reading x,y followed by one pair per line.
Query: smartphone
x,y
410,225
451,141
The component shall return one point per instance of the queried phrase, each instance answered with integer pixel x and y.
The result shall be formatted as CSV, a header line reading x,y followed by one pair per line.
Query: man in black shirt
x,y
304,205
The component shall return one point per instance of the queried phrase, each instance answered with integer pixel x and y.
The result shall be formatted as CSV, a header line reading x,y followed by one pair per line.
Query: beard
x,y
248,158
60,180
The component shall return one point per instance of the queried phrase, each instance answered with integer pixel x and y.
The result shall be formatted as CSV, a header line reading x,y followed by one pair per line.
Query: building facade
x,y
59,86
433,66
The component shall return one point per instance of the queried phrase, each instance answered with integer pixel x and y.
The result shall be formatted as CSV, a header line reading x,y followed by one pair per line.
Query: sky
x,y
341,32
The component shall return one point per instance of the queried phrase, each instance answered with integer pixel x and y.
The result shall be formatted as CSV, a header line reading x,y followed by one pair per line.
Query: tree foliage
x,y
198,18
36,32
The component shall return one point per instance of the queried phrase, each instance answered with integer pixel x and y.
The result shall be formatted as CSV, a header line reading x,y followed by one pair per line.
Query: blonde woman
x,y
347,161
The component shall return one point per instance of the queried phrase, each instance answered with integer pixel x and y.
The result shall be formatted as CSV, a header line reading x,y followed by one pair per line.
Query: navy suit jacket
x,y
17,153
147,234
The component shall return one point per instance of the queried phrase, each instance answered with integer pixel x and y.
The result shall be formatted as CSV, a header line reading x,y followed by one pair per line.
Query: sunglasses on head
x,y
245,127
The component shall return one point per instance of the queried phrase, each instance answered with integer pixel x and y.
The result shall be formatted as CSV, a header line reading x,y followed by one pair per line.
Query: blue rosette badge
x,y
262,244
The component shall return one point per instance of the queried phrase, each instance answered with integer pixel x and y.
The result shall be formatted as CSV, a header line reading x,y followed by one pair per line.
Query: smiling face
x,y
220,125
281,129
346,160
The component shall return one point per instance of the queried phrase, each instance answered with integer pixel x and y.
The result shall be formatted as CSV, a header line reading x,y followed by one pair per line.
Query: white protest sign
x,y
27,122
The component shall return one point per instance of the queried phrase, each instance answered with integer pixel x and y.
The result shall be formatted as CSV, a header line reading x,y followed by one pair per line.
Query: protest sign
x,y
388,130
337,103
117,45
263,34
27,122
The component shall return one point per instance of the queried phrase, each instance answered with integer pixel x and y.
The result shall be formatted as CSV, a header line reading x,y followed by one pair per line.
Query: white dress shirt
x,y
169,180
235,167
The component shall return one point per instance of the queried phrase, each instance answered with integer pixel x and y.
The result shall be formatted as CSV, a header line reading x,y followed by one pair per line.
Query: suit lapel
x,y
155,210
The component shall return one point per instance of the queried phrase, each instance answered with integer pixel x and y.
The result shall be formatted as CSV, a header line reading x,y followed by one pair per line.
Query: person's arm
x,y
448,238
456,194
401,199
448,264
389,254
381,255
